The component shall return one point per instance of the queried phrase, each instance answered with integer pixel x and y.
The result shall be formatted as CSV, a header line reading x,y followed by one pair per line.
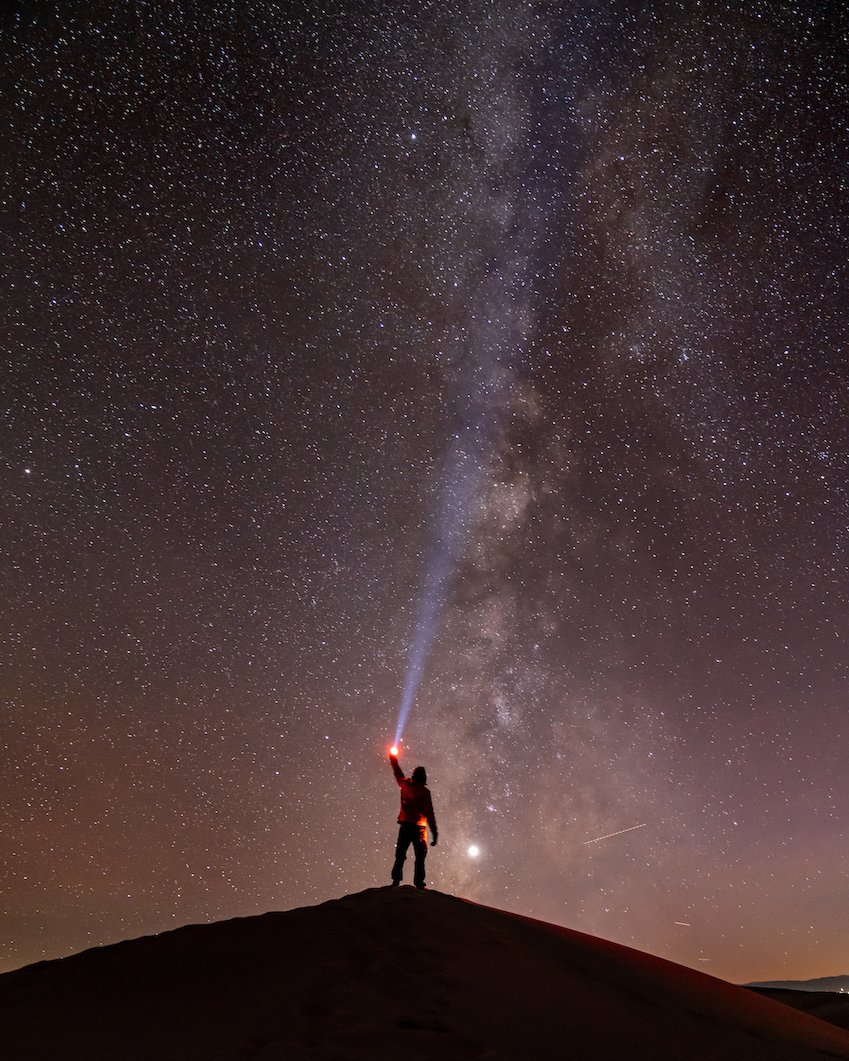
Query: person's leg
x,y
404,839
420,848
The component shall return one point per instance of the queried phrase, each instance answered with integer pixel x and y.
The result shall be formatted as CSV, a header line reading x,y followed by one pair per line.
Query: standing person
x,y
415,816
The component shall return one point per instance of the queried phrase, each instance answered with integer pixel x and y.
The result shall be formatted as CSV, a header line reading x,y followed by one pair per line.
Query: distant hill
x,y
391,974
822,983
827,997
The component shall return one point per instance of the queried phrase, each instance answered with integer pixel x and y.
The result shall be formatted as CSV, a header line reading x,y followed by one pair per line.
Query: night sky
x,y
327,327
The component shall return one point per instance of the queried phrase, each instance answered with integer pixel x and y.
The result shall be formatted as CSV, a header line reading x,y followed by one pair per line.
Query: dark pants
x,y
417,836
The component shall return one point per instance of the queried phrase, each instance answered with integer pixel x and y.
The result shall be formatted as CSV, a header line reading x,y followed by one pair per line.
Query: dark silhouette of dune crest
x,y
391,974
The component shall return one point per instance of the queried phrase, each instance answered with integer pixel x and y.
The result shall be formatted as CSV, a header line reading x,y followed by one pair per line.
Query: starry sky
x,y
513,331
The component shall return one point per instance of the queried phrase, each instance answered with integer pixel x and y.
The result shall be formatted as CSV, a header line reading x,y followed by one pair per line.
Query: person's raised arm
x,y
396,769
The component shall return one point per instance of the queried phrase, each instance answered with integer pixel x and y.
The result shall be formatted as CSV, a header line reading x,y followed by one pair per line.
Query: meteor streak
x,y
619,832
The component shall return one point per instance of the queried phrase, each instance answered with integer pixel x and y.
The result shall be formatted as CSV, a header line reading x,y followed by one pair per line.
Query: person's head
x,y
419,776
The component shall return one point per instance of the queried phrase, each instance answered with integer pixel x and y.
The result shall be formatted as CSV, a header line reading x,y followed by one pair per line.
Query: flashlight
x,y
393,751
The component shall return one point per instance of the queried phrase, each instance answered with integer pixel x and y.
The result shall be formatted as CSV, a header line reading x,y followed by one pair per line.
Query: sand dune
x,y
391,973
827,1005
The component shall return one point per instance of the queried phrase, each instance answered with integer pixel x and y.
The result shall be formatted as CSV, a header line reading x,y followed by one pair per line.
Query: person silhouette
x,y
415,816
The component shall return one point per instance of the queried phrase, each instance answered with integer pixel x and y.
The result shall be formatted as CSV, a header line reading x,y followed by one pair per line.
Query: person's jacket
x,y
416,803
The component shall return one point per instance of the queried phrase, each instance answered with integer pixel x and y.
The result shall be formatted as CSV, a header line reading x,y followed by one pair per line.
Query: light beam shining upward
x,y
478,371
463,472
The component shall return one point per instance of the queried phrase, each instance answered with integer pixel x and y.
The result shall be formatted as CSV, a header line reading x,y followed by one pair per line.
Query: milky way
x,y
302,301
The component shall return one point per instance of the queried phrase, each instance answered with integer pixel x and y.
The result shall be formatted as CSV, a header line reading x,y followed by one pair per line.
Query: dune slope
x,y
391,973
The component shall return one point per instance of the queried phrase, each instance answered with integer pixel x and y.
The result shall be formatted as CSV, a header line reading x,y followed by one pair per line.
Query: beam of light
x,y
482,382
463,472
479,361
618,832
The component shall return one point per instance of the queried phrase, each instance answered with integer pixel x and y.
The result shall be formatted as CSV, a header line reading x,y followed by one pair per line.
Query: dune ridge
x,y
389,973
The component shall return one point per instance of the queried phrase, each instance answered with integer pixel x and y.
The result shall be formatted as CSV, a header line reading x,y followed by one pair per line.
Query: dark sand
x,y
391,974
